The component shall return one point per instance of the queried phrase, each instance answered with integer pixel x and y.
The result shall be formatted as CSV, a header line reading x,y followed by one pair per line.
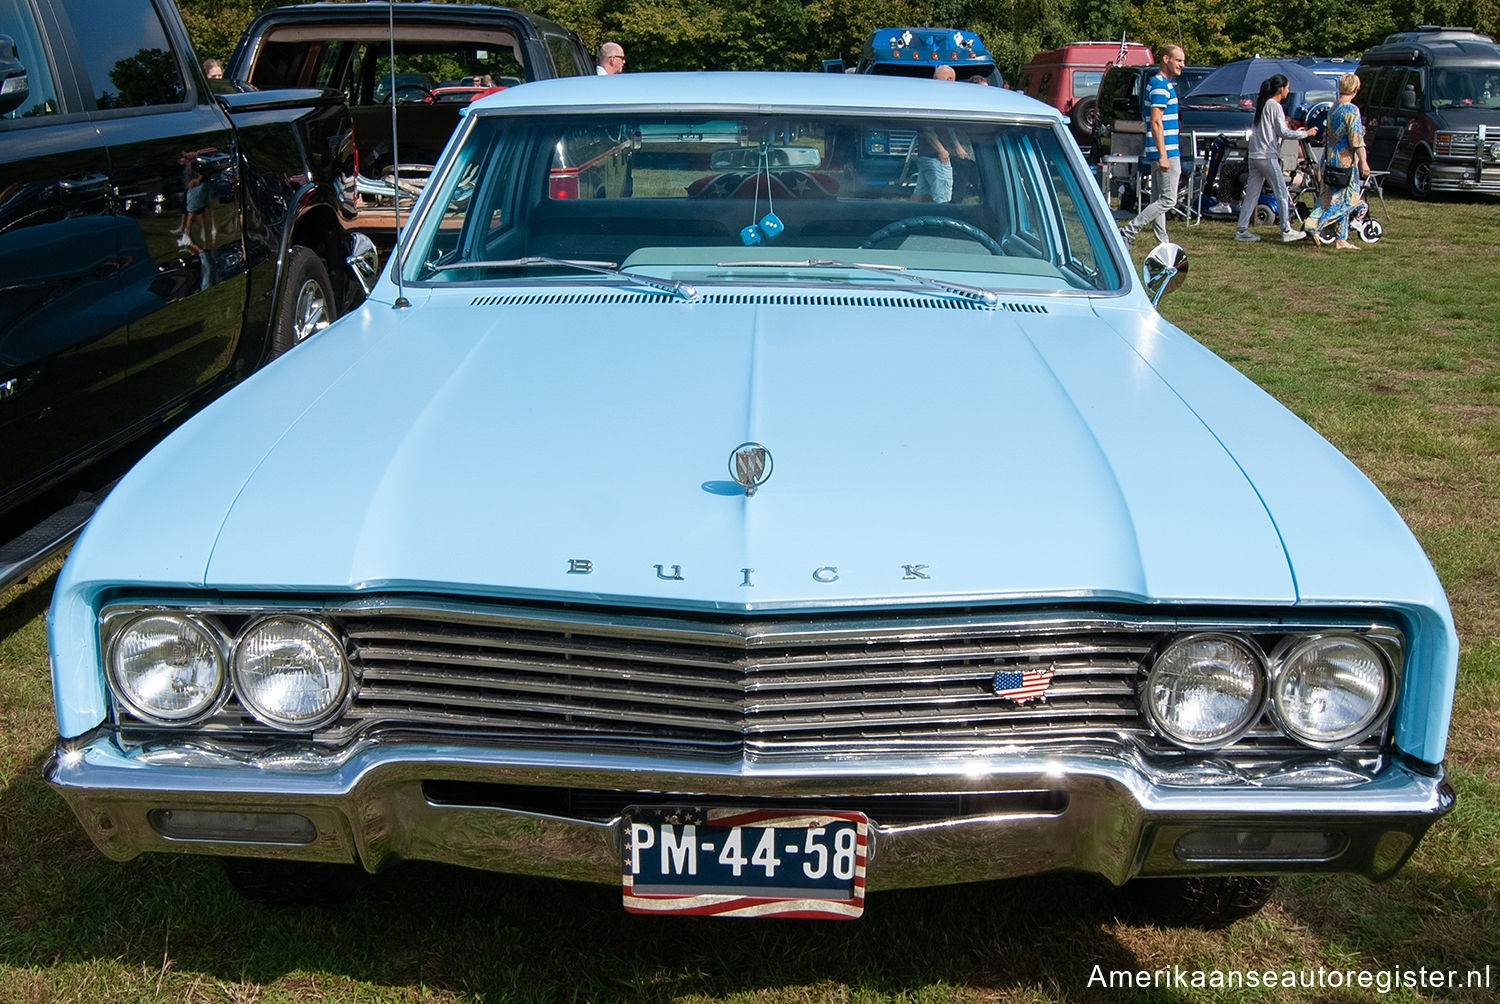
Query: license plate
x,y
744,863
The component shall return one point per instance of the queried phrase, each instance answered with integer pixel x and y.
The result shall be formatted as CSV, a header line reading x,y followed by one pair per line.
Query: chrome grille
x,y
1462,144
768,691
901,141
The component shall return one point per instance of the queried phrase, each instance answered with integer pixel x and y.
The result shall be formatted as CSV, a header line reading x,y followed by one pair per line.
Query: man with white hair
x,y
611,59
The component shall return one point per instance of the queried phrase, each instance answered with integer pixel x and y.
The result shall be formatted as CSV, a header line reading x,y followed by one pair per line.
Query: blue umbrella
x,y
1244,76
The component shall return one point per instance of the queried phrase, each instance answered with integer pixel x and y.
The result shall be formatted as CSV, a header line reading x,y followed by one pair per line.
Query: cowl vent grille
x,y
748,299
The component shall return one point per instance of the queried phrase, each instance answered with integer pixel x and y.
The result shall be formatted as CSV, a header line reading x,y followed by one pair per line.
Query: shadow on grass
x,y
24,601
1423,917
478,934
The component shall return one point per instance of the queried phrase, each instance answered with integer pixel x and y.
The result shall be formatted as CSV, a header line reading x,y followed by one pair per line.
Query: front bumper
x,y
934,821
1465,176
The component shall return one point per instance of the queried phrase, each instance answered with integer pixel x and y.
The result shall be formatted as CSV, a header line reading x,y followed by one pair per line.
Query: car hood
x,y
919,452
1461,117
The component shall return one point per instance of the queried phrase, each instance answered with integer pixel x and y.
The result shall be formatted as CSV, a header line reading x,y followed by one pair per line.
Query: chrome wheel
x,y
1419,182
311,313
306,304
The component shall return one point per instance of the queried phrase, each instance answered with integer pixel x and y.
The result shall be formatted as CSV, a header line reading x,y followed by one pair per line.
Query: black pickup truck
x,y
446,54
158,242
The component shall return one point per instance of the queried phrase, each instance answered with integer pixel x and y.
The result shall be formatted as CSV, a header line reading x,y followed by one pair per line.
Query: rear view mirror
x,y
14,88
1164,270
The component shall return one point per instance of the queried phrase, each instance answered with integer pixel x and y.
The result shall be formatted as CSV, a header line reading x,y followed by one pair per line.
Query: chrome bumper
x,y
1083,808
1465,176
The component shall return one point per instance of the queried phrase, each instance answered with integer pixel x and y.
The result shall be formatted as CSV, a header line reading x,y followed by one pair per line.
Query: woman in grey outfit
x,y
1265,158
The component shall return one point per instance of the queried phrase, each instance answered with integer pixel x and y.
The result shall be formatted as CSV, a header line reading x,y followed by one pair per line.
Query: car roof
x,y
758,92
1093,53
1454,46
404,13
1151,69
935,42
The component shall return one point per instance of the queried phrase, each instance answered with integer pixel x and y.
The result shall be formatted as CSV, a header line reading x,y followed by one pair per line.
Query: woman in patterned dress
x,y
1346,149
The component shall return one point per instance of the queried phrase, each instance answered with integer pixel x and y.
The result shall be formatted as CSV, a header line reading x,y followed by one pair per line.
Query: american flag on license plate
x,y
1021,685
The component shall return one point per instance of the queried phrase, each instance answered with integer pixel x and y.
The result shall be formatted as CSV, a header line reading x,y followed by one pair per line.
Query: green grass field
x,y
1392,352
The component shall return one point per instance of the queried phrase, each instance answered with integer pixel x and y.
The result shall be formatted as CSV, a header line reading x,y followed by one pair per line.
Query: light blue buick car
x,y
689,510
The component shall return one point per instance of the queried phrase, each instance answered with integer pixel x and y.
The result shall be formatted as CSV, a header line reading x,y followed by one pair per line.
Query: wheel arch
x,y
316,223
1421,152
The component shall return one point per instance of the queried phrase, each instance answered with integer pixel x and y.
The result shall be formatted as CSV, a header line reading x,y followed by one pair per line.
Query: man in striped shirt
x,y
1166,166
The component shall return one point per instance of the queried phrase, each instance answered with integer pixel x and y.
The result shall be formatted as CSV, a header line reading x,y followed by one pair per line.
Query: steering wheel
x,y
422,94
912,224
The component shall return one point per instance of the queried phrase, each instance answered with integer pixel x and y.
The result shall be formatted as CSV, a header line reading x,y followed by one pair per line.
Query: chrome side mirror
x,y
364,261
1163,270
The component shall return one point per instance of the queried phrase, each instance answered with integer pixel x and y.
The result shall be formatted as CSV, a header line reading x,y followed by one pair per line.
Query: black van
x,y
1431,105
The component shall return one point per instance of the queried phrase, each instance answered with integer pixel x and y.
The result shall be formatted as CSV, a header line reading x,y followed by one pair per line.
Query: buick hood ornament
x,y
751,466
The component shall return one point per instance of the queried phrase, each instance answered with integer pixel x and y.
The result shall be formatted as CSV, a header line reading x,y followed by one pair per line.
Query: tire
x,y
1264,215
1371,232
1085,117
292,883
1209,903
1419,177
307,303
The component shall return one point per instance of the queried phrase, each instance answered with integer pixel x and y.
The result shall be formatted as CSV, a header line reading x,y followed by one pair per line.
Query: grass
x,y
1391,352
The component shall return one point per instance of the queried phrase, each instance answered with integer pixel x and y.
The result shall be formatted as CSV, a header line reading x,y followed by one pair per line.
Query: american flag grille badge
x,y
1022,685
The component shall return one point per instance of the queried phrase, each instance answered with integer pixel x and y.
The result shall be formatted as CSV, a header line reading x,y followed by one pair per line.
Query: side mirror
x,y
14,87
833,66
1408,98
1164,270
364,261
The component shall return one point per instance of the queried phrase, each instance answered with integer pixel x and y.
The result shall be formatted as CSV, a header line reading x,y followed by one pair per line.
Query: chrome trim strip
x,y
820,627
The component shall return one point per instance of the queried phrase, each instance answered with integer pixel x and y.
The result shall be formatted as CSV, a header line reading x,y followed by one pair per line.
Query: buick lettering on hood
x,y
699,506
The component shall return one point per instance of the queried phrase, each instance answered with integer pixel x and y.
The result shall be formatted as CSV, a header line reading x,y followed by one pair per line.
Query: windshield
x,y
1467,88
679,198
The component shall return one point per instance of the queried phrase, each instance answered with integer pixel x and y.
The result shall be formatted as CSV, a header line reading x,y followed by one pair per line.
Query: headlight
x,y
1330,690
168,668
1206,690
290,672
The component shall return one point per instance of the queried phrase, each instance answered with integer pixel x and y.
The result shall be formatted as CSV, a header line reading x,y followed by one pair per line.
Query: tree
x,y
149,77
215,26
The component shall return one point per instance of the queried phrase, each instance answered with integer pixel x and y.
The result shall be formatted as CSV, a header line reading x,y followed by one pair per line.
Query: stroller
x,y
1362,221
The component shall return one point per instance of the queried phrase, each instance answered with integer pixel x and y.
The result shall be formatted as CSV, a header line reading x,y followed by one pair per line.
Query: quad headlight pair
x,y
1205,691
177,669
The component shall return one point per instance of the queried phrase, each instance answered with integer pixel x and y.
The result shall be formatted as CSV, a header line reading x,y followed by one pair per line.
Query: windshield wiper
x,y
963,292
681,290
